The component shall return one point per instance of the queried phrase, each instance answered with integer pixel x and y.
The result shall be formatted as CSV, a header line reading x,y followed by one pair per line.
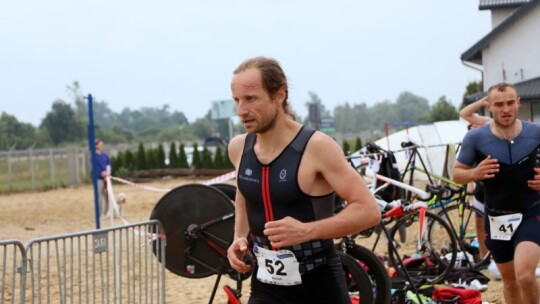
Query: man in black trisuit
x,y
506,153
287,176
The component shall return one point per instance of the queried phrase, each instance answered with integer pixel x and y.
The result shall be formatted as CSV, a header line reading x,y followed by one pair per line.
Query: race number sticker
x,y
277,267
503,227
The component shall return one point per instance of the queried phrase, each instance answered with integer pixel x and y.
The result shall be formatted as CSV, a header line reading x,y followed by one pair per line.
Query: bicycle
x,y
432,255
455,210
198,221
378,276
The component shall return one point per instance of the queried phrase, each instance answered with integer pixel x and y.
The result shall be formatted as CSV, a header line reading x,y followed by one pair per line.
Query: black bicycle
x,y
198,221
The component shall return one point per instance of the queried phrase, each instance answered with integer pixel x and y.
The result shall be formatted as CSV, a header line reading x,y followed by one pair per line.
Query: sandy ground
x,y
25,216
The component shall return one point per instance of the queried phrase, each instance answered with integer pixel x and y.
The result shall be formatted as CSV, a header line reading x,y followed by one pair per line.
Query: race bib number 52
x,y
277,267
502,227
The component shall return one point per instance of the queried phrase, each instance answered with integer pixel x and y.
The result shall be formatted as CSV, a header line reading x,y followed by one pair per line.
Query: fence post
x,y
32,171
51,162
10,173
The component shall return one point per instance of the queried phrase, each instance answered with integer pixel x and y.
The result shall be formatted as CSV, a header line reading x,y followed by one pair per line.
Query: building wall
x,y
512,56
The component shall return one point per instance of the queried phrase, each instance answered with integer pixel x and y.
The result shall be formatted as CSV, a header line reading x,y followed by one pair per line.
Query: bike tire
x,y
437,256
379,278
357,278
228,189
468,228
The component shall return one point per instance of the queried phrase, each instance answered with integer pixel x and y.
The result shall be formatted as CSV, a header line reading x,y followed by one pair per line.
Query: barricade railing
x,y
111,265
12,256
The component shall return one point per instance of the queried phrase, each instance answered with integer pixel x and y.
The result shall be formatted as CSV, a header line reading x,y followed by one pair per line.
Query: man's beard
x,y
268,125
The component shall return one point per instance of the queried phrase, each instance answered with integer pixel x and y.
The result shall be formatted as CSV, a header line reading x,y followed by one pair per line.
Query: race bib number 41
x,y
277,267
503,227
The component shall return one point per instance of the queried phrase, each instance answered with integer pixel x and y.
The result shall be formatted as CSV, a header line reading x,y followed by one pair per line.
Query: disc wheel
x,y
228,189
198,221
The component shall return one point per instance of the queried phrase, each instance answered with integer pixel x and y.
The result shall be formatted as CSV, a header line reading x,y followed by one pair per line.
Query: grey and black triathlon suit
x,y
272,193
507,192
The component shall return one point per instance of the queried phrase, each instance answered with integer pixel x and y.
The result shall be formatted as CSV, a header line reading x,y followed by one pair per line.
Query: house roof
x,y
495,4
474,53
527,90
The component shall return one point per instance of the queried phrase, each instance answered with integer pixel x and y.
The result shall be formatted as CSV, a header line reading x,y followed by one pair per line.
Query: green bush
x,y
346,147
207,162
358,144
151,159
160,157
140,164
173,156
219,161
196,161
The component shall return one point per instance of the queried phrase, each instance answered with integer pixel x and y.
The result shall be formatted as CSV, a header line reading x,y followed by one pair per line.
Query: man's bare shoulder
x,y
323,146
238,139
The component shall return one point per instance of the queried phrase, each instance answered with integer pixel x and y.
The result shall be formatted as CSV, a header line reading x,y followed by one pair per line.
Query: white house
x,y
510,52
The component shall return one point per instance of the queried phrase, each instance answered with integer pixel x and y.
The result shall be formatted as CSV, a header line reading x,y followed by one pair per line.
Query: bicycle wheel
x,y
228,189
198,221
379,278
465,230
426,258
357,279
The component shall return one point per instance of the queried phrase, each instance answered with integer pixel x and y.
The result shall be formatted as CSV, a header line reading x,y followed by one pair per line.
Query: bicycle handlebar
x,y
443,191
406,144
373,147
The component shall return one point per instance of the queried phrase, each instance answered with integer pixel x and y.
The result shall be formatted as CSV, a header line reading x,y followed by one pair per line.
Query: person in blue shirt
x,y
503,154
103,164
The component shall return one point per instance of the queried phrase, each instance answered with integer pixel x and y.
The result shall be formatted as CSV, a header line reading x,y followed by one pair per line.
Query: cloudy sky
x,y
181,53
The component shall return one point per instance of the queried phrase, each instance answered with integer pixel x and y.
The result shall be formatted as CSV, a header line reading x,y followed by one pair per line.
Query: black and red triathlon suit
x,y
508,191
272,193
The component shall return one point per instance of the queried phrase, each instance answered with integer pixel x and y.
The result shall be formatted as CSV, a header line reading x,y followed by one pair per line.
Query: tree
x,y
228,163
383,112
129,160
173,156
207,162
182,157
346,147
117,162
196,161
219,160
352,119
160,156
443,110
410,107
14,132
202,128
471,88
61,124
141,158
358,144
151,159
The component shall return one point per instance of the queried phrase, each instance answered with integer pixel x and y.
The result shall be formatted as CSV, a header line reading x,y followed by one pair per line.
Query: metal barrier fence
x,y
111,265
12,256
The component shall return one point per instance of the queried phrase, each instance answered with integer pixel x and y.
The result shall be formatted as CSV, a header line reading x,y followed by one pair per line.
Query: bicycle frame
x,y
195,231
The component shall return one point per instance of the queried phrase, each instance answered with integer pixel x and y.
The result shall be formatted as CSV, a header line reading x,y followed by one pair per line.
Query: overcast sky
x,y
182,53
